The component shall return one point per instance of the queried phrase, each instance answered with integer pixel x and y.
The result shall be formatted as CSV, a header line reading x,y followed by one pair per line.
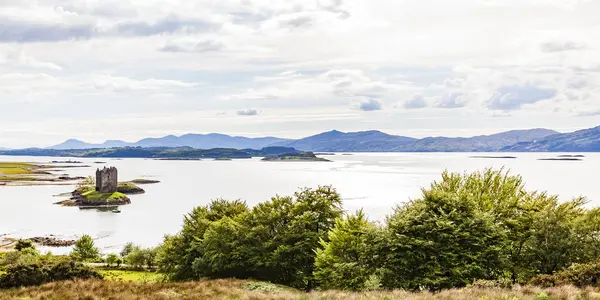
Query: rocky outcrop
x,y
52,241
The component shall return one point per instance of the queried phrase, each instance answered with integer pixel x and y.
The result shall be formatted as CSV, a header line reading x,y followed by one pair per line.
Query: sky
x,y
127,69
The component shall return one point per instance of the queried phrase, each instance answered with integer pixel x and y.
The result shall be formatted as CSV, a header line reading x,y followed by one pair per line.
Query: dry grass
x,y
238,289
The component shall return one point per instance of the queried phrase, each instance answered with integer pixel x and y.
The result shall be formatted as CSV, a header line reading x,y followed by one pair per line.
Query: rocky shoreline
x,y
52,241
8,243
78,199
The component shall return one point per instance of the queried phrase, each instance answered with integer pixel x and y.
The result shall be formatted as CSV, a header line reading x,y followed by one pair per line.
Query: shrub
x,y
543,280
24,257
24,275
580,275
71,270
37,274
24,244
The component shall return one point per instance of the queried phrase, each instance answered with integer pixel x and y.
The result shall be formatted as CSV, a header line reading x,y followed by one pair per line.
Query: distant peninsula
x,y
178,153
295,156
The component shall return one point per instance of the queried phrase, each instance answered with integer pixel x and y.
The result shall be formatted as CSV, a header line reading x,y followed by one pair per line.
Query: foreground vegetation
x,y
242,289
468,236
464,228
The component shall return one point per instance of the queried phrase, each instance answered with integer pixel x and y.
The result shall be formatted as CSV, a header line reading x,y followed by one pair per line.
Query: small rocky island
x,y
295,156
107,191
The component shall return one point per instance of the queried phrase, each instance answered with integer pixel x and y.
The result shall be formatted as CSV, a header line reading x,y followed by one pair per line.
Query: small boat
x,y
116,211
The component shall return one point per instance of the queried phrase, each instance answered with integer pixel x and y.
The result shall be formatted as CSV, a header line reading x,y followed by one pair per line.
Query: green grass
x,y
132,276
122,188
94,196
144,181
16,168
129,188
84,189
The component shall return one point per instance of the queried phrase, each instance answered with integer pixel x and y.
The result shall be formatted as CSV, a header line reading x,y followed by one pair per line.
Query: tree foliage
x,y
275,241
474,227
441,241
112,259
347,260
85,249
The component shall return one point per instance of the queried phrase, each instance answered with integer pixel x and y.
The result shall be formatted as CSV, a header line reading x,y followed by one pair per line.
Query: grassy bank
x,y
238,289
93,196
24,173
16,168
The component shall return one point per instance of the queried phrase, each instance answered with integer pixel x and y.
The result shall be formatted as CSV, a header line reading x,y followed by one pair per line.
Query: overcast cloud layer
x,y
128,69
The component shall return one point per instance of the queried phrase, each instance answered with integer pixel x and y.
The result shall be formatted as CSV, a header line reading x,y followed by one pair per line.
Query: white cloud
x,y
124,84
560,46
18,58
417,101
369,105
514,96
248,112
193,46
529,57
453,100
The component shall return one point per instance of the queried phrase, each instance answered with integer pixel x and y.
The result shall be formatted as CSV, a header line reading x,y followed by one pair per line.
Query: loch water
x,y
375,182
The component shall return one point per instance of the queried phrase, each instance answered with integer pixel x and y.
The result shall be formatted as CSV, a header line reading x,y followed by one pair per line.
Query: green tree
x,y
150,255
441,241
178,253
312,216
276,241
128,248
112,259
346,261
266,230
85,249
519,212
223,251
136,258
557,240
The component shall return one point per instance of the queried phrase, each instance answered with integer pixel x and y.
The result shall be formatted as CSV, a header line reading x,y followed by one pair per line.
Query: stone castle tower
x,y
106,180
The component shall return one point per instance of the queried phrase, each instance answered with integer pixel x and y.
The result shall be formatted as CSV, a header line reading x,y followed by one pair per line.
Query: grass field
x,y
132,276
240,289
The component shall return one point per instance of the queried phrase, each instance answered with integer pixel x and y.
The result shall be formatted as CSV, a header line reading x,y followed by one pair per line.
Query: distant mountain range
x,y
532,140
337,141
587,140
198,141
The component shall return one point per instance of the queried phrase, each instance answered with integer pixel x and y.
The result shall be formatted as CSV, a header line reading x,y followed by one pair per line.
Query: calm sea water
x,y
375,182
